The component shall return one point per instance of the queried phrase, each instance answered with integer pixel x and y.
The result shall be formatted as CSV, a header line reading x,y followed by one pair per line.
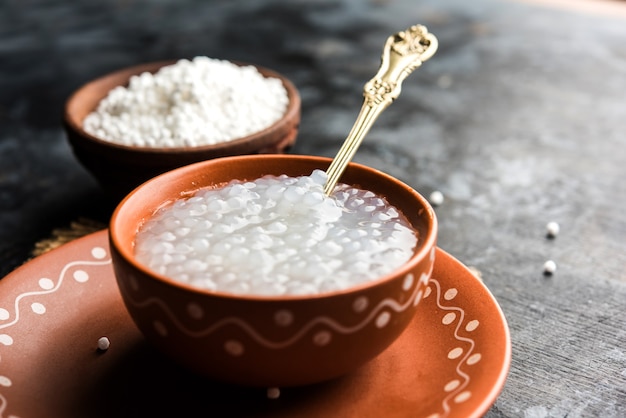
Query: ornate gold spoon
x,y
403,53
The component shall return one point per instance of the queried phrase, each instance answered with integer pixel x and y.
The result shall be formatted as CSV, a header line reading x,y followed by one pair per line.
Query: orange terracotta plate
x,y
451,362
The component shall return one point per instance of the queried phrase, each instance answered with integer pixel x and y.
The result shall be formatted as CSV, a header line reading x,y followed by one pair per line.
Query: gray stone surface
x,y
519,119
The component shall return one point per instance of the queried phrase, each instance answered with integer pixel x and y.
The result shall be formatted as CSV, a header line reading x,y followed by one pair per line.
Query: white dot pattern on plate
x,y
451,385
462,397
5,381
45,283
6,339
472,325
461,352
474,358
34,300
38,308
98,253
450,294
81,276
448,318
455,353
46,286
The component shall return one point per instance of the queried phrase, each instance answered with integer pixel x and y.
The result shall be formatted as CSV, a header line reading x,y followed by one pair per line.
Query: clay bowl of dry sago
x,y
243,270
133,124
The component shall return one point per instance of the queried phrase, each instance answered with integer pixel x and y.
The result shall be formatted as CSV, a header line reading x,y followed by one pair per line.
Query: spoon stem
x,y
403,52
365,120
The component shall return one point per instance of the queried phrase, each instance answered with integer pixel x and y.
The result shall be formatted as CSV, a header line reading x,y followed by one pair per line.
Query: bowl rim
x,y
75,124
425,249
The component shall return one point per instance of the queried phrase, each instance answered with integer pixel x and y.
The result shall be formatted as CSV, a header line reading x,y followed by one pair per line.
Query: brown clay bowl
x,y
120,168
260,340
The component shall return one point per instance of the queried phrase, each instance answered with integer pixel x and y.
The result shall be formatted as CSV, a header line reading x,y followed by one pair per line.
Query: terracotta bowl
x,y
120,168
259,340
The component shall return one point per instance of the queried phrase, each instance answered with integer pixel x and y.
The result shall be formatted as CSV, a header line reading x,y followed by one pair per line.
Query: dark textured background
x,y
519,119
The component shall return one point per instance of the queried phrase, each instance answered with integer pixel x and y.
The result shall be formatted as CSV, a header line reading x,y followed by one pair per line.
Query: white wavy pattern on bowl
x,y
45,286
379,314
455,388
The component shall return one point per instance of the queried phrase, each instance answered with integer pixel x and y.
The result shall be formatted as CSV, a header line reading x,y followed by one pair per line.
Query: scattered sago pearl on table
x,y
436,198
103,344
191,103
549,267
552,229
276,235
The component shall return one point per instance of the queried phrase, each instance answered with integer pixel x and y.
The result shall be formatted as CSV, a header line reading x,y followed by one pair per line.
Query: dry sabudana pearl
x,y
276,235
552,229
436,198
549,267
190,103
103,344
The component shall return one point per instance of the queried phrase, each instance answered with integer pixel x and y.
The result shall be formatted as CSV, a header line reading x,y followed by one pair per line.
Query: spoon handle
x,y
403,52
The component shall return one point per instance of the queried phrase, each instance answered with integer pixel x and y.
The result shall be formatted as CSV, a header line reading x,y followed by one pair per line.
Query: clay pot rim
x,y
74,122
426,244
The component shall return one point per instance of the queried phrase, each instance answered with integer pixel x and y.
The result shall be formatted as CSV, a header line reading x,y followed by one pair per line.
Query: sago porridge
x,y
276,235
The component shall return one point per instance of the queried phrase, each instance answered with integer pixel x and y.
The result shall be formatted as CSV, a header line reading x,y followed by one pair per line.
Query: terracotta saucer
x,y
451,362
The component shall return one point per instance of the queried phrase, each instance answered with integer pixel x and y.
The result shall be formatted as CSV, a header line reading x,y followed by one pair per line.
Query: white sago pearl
x,y
182,231
167,236
194,266
436,198
190,103
549,267
284,236
200,244
552,229
160,247
103,344
331,248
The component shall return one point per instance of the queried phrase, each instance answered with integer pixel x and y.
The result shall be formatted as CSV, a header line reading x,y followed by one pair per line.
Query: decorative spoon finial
x,y
403,52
